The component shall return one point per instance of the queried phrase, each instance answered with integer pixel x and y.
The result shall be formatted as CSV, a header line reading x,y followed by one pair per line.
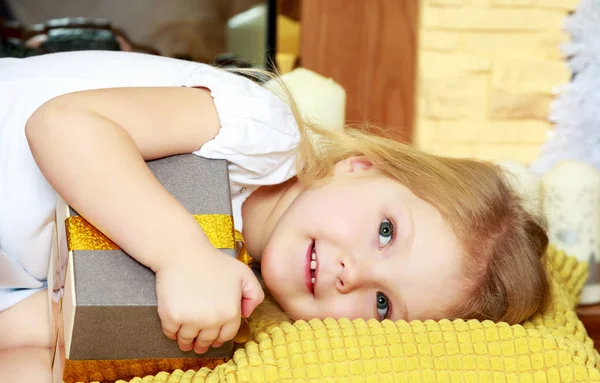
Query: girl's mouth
x,y
311,267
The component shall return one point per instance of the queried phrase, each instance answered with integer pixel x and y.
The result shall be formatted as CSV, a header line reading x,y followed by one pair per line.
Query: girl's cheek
x,y
346,306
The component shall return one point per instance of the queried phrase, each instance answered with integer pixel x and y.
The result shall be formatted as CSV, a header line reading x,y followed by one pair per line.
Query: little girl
x,y
357,226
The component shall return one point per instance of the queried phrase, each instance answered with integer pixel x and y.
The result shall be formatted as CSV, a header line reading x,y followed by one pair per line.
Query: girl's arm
x,y
91,147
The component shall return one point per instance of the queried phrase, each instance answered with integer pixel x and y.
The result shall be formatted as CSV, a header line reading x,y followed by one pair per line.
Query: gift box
x,y
103,302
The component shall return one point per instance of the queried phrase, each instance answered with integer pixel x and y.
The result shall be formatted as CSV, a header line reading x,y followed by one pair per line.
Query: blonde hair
x,y
504,245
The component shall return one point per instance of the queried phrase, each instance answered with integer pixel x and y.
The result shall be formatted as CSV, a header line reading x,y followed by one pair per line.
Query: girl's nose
x,y
353,274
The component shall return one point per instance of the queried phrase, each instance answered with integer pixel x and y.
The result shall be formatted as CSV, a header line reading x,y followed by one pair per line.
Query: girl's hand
x,y
201,298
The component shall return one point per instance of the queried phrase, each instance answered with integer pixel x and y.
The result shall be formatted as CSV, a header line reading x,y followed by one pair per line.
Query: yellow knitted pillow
x,y
552,347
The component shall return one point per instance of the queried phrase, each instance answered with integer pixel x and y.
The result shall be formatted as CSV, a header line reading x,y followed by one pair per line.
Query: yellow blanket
x,y
551,347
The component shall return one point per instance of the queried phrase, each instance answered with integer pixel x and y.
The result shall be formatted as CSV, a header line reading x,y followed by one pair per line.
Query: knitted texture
x,y
550,347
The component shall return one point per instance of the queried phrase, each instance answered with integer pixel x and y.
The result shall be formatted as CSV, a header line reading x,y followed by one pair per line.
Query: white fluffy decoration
x,y
576,110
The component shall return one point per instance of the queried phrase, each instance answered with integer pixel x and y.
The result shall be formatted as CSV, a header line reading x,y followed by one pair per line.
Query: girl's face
x,y
362,246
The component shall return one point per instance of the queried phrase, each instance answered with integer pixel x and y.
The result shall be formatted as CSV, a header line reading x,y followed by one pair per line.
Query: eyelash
x,y
393,236
389,308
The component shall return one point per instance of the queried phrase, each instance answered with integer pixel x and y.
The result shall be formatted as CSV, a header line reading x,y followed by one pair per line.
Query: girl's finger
x,y
186,335
216,344
204,339
228,331
170,329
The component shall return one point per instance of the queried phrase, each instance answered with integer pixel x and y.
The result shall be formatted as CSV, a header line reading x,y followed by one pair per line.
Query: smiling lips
x,y
311,267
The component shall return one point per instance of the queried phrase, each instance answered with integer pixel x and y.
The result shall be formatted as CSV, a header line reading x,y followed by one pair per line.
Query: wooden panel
x,y
590,317
369,47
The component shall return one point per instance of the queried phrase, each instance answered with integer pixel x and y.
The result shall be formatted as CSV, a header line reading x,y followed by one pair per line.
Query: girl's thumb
x,y
252,294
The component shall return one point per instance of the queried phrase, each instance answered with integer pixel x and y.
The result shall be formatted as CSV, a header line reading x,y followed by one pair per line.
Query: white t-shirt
x,y
258,137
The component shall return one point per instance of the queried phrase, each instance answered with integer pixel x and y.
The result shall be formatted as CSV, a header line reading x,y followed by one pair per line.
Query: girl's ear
x,y
352,165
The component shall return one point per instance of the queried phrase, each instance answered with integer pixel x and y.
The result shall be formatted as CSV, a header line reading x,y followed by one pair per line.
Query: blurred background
x,y
516,82
470,78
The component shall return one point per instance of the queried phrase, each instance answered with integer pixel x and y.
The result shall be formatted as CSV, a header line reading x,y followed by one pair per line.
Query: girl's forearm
x,y
96,167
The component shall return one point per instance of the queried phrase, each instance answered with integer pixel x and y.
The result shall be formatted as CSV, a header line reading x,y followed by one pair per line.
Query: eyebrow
x,y
408,224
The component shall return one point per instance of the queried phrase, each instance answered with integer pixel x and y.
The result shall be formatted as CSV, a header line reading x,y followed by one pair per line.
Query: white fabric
x,y
258,136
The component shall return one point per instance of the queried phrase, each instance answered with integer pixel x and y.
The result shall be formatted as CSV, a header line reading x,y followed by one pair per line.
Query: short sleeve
x,y
258,134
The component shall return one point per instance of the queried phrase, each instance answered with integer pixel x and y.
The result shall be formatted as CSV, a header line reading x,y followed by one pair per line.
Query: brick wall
x,y
487,73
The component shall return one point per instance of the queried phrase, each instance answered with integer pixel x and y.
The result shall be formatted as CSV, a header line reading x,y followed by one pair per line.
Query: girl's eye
x,y
386,232
383,306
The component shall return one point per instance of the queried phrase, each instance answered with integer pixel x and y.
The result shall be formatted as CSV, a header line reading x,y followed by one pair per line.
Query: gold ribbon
x,y
82,235
243,255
